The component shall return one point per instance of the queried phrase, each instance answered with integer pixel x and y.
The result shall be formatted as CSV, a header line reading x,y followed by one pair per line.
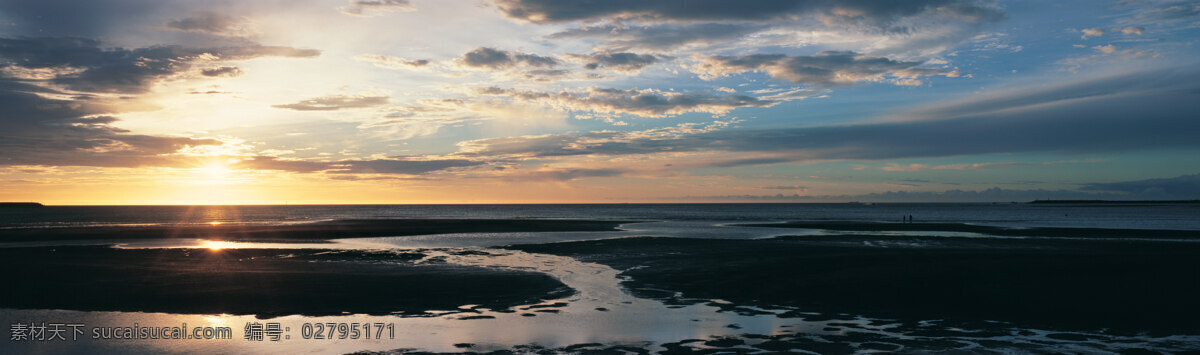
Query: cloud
x,y
1167,11
904,29
1180,187
646,103
1091,32
971,166
564,174
336,102
494,59
390,62
660,38
790,187
1130,30
1106,49
82,65
624,62
794,94
221,71
423,118
827,68
212,24
397,166
367,8
74,18
874,12
38,130
910,167
1151,109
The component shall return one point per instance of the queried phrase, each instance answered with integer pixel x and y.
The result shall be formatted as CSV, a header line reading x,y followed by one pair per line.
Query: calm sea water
x,y
1148,216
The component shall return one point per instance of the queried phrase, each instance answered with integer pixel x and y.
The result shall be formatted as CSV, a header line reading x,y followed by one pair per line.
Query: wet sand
x,y
262,282
1121,286
308,232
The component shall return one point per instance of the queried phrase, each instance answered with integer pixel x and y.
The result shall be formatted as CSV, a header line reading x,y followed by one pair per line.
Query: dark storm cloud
x,y
828,68
397,166
491,58
35,130
1186,186
1145,110
877,12
221,71
661,37
618,61
88,67
336,102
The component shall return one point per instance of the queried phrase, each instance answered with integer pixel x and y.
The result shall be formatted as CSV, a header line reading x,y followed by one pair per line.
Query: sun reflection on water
x,y
216,245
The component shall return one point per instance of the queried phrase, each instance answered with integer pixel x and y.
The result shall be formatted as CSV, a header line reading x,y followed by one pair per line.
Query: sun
x,y
215,171
215,174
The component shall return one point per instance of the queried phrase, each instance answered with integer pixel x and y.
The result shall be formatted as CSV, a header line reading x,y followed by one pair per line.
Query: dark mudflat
x,y
1069,284
309,231
262,282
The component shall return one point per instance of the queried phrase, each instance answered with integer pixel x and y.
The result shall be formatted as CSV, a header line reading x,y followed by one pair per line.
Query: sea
x,y
634,324
1018,215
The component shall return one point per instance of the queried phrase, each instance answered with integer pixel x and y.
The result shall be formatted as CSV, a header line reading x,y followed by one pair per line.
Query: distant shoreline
x,y
1115,201
308,232
36,204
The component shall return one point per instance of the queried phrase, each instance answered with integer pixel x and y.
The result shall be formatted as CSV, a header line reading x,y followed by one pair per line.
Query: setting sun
x,y
215,173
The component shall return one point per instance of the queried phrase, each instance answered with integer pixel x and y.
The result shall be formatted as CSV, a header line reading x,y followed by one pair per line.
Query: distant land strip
x,y
1115,201
1066,232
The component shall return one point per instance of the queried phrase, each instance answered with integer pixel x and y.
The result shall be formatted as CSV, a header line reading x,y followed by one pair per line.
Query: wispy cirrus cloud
x,y
645,102
390,62
390,166
822,69
367,8
336,102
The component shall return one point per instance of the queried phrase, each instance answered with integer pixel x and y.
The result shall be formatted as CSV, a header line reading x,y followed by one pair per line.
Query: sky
x,y
622,101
